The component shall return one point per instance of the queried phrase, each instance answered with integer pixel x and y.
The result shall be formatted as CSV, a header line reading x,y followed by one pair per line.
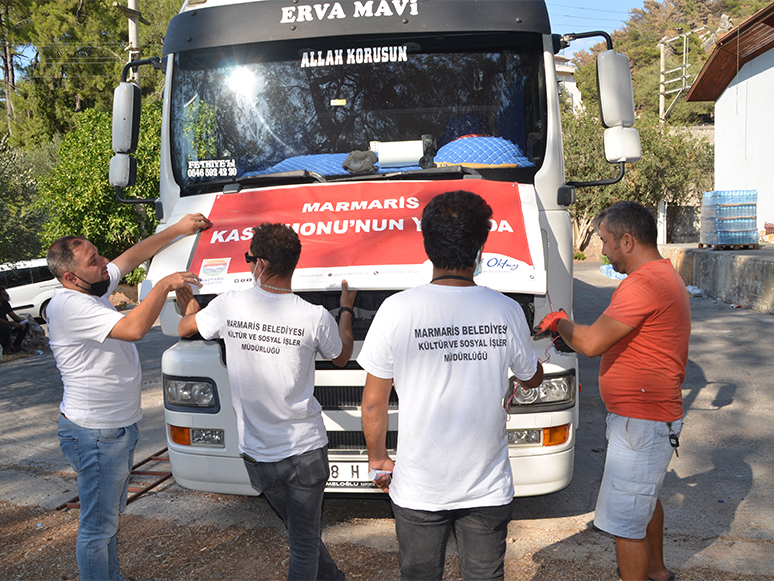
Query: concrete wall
x,y
744,130
742,277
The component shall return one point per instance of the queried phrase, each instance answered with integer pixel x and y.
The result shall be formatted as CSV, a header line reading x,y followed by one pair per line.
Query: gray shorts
x,y
638,455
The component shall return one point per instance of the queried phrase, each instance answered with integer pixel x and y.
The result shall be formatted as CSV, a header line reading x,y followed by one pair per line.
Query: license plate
x,y
349,475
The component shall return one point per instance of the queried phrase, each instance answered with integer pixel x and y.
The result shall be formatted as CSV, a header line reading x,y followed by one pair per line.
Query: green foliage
x,y
78,52
200,127
77,61
136,276
21,220
158,13
639,41
45,157
674,167
77,196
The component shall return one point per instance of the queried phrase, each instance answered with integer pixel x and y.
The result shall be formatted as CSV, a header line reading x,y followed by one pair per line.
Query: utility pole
x,y
662,80
681,77
679,74
135,18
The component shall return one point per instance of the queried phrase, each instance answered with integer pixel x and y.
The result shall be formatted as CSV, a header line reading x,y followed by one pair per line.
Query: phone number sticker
x,y
212,168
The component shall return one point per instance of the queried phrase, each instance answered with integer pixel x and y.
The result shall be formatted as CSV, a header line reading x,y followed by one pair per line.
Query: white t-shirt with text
x,y
271,341
102,377
448,349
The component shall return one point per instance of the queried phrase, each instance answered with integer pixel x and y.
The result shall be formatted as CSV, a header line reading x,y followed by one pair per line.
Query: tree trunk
x,y
8,73
581,232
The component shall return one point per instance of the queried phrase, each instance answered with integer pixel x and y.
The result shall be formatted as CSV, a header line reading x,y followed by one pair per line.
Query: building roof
x,y
732,51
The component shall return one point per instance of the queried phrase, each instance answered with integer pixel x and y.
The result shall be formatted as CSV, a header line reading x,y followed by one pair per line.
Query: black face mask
x,y
95,288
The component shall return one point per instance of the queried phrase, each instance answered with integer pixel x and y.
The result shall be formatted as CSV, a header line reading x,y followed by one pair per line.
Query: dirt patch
x,y
40,544
124,296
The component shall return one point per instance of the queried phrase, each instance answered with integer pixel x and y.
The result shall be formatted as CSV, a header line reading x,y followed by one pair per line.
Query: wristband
x,y
348,310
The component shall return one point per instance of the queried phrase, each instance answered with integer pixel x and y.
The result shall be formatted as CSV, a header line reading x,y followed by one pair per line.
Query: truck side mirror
x,y
123,171
616,110
616,107
126,117
614,85
622,144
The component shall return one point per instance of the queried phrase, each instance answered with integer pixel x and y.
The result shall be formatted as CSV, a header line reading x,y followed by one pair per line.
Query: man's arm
x,y
595,339
376,401
345,325
188,308
146,249
16,323
536,379
138,322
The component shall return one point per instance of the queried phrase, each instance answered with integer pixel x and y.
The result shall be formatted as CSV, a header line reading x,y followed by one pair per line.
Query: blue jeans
x,y
294,487
480,533
102,459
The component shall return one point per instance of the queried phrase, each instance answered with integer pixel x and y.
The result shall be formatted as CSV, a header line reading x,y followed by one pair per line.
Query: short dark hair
x,y
61,257
632,218
279,245
455,225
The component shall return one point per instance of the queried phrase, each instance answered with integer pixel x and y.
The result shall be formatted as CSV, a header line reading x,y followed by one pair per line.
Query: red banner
x,y
344,227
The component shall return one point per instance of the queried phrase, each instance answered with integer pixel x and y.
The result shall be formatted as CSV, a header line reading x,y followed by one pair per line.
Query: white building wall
x,y
566,76
744,134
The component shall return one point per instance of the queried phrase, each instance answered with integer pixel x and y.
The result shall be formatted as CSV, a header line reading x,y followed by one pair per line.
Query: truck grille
x,y
355,441
345,397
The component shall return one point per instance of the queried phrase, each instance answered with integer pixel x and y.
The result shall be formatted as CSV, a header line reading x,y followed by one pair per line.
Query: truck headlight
x,y
555,392
211,438
553,436
191,392
523,437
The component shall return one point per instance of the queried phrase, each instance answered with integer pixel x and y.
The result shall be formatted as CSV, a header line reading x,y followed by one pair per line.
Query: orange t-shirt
x,y
641,375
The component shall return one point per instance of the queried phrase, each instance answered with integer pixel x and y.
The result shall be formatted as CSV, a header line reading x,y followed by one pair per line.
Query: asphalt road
x,y
717,495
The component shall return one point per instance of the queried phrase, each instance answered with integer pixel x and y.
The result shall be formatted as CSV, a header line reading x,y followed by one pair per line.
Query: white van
x,y
30,285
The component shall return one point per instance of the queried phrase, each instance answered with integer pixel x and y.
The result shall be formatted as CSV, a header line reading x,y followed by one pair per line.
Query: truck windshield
x,y
239,113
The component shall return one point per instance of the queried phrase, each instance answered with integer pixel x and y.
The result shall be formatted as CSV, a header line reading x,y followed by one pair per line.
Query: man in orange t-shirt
x,y
643,339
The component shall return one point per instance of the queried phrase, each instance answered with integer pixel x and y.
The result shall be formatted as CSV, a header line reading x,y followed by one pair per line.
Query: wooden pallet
x,y
729,246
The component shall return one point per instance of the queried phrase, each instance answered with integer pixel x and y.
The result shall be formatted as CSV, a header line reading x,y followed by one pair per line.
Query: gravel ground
x,y
717,496
38,544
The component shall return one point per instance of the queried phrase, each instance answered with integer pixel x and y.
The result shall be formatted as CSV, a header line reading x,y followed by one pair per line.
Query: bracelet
x,y
347,310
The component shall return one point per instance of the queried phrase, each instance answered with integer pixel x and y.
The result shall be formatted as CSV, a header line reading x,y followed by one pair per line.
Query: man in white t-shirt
x,y
271,337
447,347
94,351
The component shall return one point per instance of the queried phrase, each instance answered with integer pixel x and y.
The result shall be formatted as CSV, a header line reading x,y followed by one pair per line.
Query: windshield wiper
x,y
306,176
458,171
283,177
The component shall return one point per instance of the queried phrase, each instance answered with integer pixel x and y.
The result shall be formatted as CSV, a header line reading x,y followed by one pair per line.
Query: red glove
x,y
550,321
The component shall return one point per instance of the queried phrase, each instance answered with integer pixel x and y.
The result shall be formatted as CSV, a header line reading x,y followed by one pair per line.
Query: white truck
x,y
342,119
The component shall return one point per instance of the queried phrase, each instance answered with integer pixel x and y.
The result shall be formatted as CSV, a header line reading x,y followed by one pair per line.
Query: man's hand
x,y
190,224
548,326
138,322
186,301
346,317
383,480
180,280
347,296
375,418
146,249
561,345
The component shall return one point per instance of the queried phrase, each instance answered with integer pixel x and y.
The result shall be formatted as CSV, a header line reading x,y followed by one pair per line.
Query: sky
x,y
588,15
